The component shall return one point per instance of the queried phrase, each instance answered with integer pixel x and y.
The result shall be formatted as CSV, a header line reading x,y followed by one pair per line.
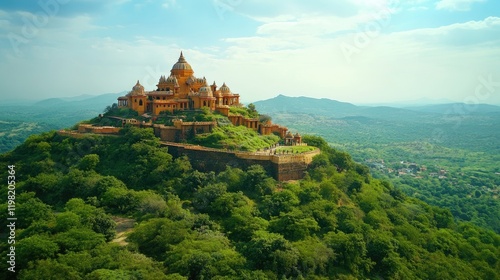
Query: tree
x,y
155,236
194,180
242,224
293,225
34,248
348,219
120,200
110,108
278,202
324,213
204,257
205,196
351,249
78,239
271,251
233,178
89,162
252,111
381,250
341,160
227,202
257,182
66,221
314,256
92,218
264,118
151,203
315,141
30,209
48,269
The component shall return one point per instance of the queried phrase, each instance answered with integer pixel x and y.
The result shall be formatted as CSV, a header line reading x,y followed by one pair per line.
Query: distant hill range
x,y
337,109
93,102
20,119
475,127
61,112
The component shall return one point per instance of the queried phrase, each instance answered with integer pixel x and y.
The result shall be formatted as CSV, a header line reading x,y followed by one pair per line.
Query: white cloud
x,y
456,5
289,53
443,62
168,4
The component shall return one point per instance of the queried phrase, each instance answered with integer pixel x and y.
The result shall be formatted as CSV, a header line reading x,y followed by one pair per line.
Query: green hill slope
x,y
338,223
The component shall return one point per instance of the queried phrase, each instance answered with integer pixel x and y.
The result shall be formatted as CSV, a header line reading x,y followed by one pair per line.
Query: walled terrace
x,y
281,166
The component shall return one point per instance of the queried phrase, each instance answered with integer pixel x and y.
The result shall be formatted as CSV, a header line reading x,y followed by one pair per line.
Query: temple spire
x,y
181,58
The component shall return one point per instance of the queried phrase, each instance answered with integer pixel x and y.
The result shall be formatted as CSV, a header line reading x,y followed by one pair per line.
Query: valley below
x,y
446,155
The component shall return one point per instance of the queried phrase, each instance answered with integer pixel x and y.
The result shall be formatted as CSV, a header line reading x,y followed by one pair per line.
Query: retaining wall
x,y
280,167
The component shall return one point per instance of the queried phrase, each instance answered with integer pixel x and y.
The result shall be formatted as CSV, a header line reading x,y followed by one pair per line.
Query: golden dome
x,y
182,64
138,89
205,90
224,89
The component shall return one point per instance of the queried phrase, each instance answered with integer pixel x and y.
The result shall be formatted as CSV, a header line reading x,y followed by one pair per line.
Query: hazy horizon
x,y
402,103
357,51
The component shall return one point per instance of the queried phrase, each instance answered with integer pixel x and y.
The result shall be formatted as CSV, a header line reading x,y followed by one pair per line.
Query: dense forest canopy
x,y
337,223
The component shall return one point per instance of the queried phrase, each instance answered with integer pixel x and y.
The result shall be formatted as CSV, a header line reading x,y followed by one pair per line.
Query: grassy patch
x,y
235,138
295,149
244,112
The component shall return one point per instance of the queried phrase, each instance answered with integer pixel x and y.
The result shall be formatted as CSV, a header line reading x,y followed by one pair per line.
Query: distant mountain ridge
x,y
282,104
21,119
82,100
338,109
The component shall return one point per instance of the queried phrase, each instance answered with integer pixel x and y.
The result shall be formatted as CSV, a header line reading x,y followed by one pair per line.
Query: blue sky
x,y
359,51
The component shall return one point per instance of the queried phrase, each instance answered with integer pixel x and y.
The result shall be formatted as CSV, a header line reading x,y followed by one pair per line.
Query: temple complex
x,y
183,91
180,91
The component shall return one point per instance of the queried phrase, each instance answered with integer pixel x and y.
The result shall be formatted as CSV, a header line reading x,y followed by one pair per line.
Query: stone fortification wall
x,y
281,167
205,159
293,167
88,128
71,133
181,130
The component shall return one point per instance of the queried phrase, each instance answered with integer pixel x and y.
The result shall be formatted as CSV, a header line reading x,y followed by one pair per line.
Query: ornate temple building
x,y
180,91
183,91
